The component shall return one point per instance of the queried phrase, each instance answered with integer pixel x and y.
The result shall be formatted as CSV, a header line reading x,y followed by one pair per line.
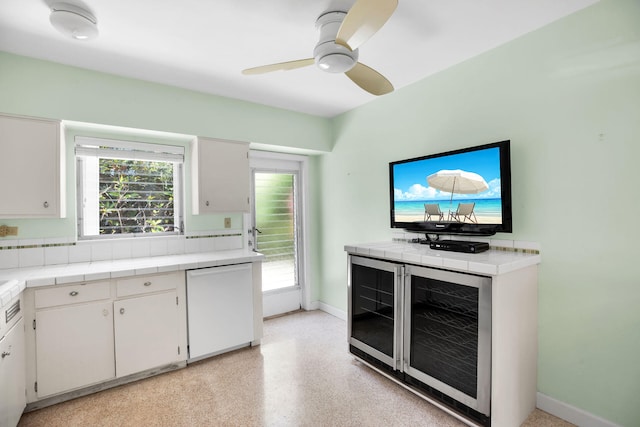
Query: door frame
x,y
281,162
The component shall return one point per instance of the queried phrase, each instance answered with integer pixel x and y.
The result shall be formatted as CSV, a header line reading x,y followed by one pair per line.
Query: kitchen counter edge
x,y
60,274
490,263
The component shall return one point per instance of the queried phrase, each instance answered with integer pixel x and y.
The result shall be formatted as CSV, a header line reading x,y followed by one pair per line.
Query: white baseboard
x,y
570,413
313,305
331,310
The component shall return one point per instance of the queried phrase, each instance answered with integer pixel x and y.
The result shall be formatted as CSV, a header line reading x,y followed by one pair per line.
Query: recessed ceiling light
x,y
73,21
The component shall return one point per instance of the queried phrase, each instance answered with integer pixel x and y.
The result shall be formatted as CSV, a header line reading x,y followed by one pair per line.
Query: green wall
x,y
126,106
568,98
45,89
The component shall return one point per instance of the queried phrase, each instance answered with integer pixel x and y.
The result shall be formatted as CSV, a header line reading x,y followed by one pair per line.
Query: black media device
x,y
460,192
459,246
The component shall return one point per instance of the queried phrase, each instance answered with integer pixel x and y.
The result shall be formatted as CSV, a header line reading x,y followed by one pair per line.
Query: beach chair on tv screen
x,y
432,209
464,211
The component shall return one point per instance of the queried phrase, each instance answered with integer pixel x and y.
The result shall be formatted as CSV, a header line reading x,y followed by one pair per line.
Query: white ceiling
x,y
204,44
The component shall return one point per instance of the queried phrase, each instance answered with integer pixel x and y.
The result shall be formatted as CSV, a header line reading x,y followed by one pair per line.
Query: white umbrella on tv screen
x,y
457,181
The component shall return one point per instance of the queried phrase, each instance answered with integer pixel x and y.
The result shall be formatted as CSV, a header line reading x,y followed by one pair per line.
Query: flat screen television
x,y
462,192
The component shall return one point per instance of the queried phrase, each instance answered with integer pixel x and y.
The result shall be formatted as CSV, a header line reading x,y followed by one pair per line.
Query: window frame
x,y
88,147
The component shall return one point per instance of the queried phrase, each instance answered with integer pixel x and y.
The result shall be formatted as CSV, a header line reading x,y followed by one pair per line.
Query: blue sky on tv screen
x,y
410,178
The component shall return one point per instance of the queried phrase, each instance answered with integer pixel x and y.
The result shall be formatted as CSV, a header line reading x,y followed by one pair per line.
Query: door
x,y
277,229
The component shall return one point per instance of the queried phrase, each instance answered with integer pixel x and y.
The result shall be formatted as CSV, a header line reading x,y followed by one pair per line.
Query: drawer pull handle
x,y
73,293
122,311
5,354
147,283
45,204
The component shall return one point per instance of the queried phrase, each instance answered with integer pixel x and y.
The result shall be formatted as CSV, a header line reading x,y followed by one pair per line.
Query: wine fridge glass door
x,y
447,342
375,297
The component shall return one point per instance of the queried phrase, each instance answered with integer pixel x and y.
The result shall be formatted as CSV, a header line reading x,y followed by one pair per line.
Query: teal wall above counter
x,y
568,97
103,105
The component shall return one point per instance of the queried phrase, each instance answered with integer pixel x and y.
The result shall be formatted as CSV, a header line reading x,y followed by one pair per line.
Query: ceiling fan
x,y
341,34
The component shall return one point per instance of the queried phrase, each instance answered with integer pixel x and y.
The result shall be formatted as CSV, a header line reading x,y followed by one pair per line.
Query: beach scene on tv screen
x,y
462,187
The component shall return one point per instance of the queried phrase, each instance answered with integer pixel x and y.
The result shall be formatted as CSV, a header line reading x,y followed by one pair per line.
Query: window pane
x,y
275,218
135,196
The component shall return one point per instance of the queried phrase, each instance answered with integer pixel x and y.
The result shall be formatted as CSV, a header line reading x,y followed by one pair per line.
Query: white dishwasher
x,y
219,309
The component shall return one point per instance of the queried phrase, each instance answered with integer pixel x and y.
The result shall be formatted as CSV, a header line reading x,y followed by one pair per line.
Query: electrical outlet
x,y
6,230
227,223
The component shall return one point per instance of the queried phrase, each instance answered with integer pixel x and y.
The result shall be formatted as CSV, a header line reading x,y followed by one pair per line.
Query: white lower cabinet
x,y
146,331
89,333
12,375
74,346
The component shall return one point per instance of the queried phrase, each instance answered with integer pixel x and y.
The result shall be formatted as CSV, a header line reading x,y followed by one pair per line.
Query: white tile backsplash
x,y
227,243
122,249
527,245
207,244
192,246
9,243
56,255
158,247
65,250
31,257
140,248
80,252
175,246
101,251
9,258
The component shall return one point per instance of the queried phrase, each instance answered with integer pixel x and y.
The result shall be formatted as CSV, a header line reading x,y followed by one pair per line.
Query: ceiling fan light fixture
x,y
334,58
73,21
336,63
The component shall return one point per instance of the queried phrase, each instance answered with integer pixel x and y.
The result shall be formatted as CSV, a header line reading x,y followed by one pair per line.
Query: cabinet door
x,y
31,168
12,376
221,176
146,331
74,347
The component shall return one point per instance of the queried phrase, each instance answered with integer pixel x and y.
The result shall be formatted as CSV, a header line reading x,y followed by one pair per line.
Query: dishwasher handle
x,y
221,269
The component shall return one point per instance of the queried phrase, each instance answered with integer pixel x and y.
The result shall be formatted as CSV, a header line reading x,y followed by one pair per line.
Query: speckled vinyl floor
x,y
301,375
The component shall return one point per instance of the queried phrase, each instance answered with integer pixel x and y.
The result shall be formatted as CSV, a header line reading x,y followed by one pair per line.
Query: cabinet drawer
x,y
85,292
146,284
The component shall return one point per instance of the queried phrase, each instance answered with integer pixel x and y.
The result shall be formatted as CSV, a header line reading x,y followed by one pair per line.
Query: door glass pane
x,y
276,220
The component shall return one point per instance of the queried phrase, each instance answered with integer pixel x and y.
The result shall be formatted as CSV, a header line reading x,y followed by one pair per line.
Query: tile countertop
x,y
9,289
490,263
100,270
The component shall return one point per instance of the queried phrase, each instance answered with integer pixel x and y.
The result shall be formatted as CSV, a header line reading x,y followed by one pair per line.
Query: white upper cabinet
x,y
220,176
31,168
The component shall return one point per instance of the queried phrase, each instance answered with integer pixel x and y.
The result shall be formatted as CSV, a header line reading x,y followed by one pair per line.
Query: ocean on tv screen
x,y
449,181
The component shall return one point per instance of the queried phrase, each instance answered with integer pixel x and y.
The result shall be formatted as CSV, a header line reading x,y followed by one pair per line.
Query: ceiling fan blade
x,y
369,79
284,66
364,19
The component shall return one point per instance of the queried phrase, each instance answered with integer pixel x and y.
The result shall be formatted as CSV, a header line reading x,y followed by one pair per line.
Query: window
x,y
128,189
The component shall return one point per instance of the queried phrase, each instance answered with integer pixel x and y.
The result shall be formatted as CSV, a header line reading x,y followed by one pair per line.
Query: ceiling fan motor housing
x,y
330,56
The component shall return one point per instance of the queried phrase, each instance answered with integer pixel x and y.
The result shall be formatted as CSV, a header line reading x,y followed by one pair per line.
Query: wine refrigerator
x,y
425,327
